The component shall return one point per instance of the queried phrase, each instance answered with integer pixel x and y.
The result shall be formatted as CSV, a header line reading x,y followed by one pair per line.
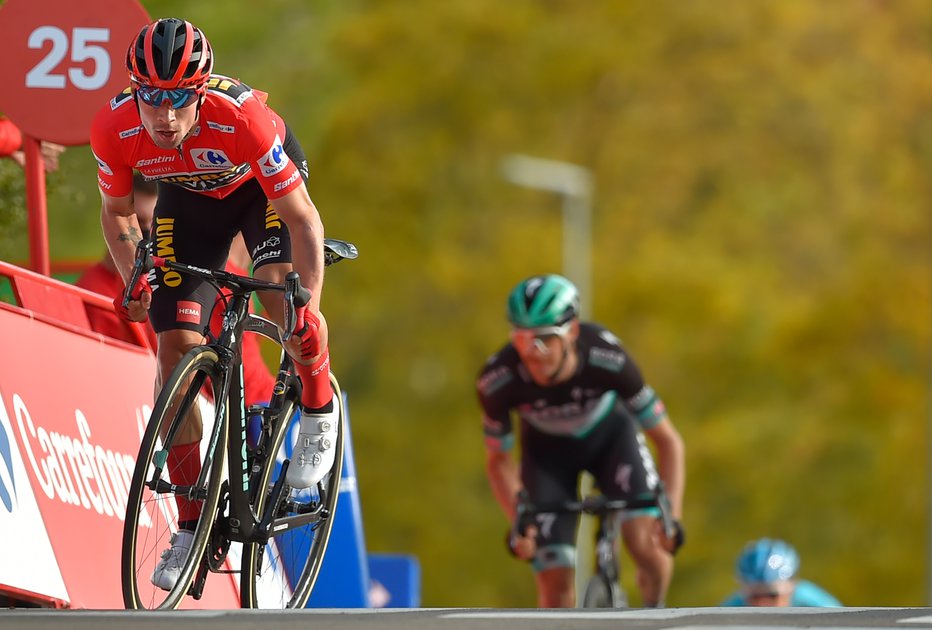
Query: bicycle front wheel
x,y
282,572
602,592
152,510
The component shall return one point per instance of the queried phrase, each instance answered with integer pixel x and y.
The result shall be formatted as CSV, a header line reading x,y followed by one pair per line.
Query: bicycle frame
x,y
606,545
243,501
243,525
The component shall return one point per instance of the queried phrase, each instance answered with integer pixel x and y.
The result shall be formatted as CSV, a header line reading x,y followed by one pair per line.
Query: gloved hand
x,y
520,546
679,537
140,299
307,330
674,542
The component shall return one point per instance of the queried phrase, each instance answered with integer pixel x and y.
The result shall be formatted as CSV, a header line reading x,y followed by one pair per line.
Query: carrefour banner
x,y
72,412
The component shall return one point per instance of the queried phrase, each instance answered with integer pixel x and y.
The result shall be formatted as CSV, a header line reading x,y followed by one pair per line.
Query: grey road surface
x,y
474,619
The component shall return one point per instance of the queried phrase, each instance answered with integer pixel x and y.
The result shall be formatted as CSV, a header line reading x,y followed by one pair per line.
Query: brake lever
x,y
142,264
296,296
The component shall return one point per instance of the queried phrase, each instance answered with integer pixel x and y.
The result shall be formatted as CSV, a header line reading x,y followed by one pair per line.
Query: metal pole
x,y
37,208
574,185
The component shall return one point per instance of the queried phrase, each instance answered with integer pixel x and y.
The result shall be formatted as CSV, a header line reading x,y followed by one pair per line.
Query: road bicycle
x,y
603,590
247,509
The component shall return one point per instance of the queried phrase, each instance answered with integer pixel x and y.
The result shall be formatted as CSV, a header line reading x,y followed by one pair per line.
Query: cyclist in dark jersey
x,y
226,163
582,405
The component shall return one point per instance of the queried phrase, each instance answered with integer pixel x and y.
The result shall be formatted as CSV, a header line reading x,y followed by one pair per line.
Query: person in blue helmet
x,y
767,571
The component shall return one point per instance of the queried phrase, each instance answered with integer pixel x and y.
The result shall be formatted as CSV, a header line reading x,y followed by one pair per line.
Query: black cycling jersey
x,y
606,376
588,423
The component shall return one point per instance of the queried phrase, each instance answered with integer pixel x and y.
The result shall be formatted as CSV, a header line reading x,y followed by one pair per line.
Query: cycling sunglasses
x,y
765,591
539,338
177,98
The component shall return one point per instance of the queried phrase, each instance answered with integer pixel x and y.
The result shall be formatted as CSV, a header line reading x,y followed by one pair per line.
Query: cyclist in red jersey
x,y
226,163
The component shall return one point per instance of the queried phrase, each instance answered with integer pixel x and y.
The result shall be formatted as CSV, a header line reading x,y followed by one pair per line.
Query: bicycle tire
x,y
265,578
152,516
601,592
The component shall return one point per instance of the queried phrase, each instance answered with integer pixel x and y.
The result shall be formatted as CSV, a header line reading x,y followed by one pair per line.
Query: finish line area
x,y
479,619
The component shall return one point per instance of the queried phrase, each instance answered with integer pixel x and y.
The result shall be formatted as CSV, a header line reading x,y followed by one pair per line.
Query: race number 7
x,y
83,47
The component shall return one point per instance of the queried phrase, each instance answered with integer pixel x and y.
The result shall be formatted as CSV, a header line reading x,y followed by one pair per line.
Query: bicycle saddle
x,y
336,250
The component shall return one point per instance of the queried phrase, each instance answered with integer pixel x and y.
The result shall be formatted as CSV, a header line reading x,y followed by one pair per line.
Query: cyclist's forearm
x,y
504,481
307,239
121,232
672,459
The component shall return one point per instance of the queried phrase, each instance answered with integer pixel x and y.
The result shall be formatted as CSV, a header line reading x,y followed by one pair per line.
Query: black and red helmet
x,y
169,54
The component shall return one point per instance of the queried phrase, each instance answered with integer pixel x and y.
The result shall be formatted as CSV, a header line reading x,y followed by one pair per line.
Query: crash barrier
x,y
73,407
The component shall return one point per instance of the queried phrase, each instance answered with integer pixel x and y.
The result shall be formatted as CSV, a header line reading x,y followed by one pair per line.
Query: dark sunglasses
x,y
177,98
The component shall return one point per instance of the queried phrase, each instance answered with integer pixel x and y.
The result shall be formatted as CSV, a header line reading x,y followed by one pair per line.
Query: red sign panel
x,y
62,60
72,411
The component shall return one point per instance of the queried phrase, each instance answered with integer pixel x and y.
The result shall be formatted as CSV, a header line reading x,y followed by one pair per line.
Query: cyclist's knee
x,y
641,540
173,344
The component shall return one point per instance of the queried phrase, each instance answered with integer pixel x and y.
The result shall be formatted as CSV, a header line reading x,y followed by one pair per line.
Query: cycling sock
x,y
184,466
315,380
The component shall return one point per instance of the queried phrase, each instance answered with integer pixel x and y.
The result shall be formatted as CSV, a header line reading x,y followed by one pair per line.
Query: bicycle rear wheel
x,y
601,592
282,572
152,510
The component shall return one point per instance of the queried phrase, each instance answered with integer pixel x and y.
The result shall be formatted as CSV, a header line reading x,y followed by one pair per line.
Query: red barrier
x,y
65,305
73,405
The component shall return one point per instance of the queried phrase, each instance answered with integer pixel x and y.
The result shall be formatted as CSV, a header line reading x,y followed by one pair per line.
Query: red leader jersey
x,y
237,137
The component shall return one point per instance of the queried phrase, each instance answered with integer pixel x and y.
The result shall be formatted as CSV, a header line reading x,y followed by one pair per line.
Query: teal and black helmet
x,y
545,300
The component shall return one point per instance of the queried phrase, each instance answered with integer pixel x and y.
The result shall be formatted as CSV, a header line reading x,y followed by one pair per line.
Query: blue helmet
x,y
766,561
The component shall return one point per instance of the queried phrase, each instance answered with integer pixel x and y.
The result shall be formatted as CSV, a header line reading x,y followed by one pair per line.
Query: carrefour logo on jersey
x,y
275,160
103,166
210,159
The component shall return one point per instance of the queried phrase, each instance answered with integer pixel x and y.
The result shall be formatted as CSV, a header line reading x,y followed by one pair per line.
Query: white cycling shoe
x,y
168,569
315,450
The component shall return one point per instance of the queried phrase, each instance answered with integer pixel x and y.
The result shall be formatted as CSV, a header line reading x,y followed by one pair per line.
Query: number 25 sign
x,y
62,60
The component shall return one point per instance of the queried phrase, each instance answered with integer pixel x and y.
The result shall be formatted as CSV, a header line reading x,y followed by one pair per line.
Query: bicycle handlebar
x,y
597,505
296,294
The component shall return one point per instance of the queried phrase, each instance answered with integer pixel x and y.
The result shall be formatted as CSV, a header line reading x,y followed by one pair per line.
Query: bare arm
x,y
503,477
672,455
122,233
307,239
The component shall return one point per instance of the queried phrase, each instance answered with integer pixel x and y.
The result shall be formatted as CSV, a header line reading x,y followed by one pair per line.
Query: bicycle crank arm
x,y
262,529
282,525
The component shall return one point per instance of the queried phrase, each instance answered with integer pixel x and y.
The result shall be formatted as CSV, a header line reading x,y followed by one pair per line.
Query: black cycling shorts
x,y
197,229
616,455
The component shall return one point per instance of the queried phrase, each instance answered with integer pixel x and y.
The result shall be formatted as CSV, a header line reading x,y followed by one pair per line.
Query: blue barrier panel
x,y
344,576
396,581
